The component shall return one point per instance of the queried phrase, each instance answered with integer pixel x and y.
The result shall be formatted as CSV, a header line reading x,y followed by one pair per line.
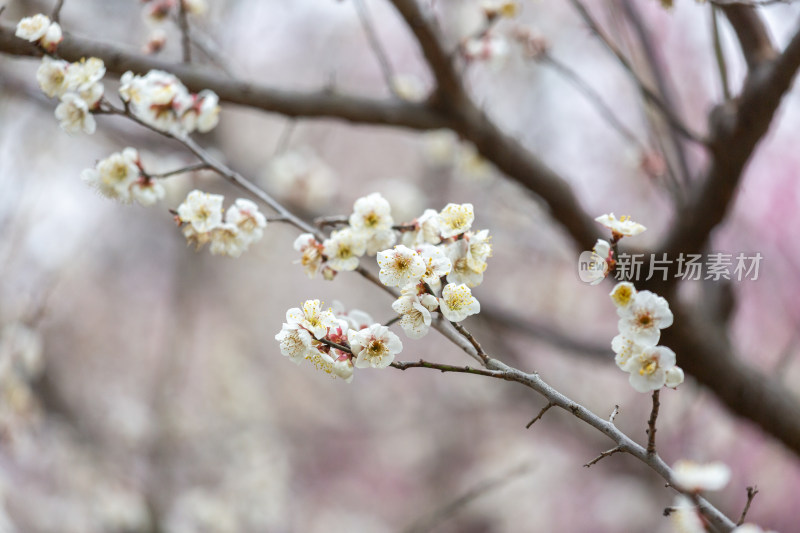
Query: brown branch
x,y
375,43
540,415
603,455
751,32
186,39
318,104
472,340
651,424
751,493
55,16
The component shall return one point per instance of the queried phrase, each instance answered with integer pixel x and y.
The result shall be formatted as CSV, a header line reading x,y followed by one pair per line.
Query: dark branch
x,y
651,424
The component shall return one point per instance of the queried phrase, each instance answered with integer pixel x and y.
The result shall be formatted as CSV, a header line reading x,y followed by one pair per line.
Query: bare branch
x,y
441,514
614,414
186,39
751,493
651,424
540,415
602,456
753,37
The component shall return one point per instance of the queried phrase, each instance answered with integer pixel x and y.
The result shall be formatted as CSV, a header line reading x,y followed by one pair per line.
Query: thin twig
x,y
334,220
335,345
541,414
285,138
719,54
444,512
614,414
189,168
405,365
593,97
186,38
651,424
603,455
375,43
646,91
472,340
751,493
55,16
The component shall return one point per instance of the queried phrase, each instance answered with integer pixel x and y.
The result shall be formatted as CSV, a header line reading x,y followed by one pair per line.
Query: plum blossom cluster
x,y
78,87
642,316
203,221
160,100
437,263
336,341
41,30
121,177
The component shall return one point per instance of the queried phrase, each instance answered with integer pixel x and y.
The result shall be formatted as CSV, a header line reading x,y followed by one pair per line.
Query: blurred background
x,y
142,389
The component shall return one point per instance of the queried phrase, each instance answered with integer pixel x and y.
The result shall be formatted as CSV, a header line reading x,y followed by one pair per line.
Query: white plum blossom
x,y
478,250
461,272
644,317
295,342
207,110
226,239
598,268
311,251
52,76
380,240
437,264
74,116
428,230
624,227
374,346
685,517
312,318
415,311
147,192
246,217
625,349
52,37
623,294
82,74
456,219
696,477
674,377
343,249
114,176
354,318
457,302
203,211
400,266
343,368
648,369
371,214
33,28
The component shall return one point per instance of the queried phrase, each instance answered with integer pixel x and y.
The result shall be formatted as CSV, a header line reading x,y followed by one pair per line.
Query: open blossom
x,y
246,217
312,318
354,318
478,249
343,249
203,211
416,311
227,239
428,230
437,264
114,176
33,28
371,214
82,74
52,76
295,342
648,368
380,240
461,272
457,302
623,294
624,227
625,349
311,251
456,219
374,346
400,266
695,477
644,317
74,116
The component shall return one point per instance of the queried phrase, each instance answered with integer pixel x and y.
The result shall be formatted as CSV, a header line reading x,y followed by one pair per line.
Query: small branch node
x,y
541,414
614,414
751,493
603,455
651,425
